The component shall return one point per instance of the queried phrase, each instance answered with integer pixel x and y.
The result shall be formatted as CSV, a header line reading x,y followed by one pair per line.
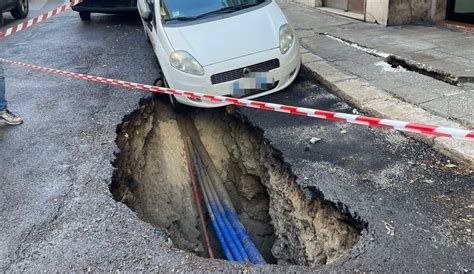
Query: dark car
x,y
18,8
105,6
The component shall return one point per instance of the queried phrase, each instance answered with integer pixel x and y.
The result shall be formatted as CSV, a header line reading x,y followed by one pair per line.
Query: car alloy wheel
x,y
21,9
23,5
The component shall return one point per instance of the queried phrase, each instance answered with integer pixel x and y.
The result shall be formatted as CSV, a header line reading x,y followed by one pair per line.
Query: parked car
x,y
18,8
236,48
105,6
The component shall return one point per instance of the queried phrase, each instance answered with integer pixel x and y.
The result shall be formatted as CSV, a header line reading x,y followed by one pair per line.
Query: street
x,y
390,201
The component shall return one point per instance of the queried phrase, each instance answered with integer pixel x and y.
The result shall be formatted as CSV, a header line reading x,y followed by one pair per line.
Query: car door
x,y
12,3
7,5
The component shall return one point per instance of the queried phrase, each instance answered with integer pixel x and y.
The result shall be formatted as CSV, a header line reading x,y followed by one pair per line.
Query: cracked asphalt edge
x,y
380,103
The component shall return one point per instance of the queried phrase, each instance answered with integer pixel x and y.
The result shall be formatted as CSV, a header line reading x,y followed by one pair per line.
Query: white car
x,y
235,48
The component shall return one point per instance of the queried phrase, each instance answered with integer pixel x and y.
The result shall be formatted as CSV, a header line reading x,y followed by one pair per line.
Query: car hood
x,y
230,37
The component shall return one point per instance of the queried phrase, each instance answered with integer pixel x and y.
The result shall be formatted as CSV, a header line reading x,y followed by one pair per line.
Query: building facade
x,y
398,12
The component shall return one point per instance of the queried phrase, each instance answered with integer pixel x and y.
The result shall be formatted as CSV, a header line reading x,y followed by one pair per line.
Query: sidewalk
x,y
354,59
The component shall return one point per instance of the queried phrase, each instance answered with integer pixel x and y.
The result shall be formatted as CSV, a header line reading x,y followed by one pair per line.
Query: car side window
x,y
163,11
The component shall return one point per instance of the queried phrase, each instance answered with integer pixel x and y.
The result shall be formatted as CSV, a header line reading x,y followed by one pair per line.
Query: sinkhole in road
x,y
151,178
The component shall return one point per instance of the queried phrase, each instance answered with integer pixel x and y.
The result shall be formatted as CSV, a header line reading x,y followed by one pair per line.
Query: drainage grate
x,y
239,73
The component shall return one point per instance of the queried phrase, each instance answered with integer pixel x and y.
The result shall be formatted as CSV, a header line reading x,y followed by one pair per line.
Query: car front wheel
x,y
175,105
21,9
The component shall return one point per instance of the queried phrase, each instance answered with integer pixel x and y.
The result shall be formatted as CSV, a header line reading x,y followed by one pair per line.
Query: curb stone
x,y
379,103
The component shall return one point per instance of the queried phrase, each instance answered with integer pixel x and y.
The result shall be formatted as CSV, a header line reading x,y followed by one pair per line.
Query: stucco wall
x,y
311,3
408,11
377,11
398,12
411,11
440,10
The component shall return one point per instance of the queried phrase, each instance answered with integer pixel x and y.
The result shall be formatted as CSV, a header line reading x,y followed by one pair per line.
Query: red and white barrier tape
x,y
37,19
322,114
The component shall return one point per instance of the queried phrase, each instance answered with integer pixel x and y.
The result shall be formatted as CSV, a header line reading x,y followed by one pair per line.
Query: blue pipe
x,y
214,222
229,234
224,200
233,234
254,255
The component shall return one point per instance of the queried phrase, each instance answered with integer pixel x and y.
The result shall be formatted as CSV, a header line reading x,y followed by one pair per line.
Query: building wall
x,y
410,11
439,12
377,11
311,3
398,12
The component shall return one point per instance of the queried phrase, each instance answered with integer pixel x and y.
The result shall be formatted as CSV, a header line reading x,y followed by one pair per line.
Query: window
x,y
186,9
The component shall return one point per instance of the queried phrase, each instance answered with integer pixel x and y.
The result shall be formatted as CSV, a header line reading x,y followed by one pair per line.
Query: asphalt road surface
x,y
57,212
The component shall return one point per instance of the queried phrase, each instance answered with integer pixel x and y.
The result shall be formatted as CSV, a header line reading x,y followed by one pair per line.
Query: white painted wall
x,y
311,3
386,12
377,11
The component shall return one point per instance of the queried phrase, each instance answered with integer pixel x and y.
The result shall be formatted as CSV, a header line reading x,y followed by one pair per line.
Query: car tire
x,y
85,15
175,105
147,37
1,18
146,34
21,9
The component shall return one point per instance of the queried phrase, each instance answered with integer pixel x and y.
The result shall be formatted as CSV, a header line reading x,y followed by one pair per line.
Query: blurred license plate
x,y
255,83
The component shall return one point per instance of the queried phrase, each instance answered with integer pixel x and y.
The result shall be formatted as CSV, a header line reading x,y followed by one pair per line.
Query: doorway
x,y
461,11
355,6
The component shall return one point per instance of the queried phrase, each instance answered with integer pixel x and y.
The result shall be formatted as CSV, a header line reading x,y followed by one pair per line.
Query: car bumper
x,y
283,76
107,6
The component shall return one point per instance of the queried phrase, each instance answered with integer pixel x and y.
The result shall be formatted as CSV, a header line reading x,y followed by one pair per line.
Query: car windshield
x,y
194,9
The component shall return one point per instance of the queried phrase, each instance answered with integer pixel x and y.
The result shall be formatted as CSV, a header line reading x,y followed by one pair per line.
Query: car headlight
x,y
184,62
287,38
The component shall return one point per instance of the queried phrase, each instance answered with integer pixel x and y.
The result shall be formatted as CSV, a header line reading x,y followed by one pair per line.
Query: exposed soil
x,y
152,179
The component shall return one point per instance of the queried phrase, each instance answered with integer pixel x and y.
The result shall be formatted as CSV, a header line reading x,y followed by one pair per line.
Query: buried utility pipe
x,y
212,216
202,222
250,248
233,240
229,236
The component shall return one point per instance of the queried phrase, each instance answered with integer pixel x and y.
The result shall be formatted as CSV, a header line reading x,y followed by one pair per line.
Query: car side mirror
x,y
145,10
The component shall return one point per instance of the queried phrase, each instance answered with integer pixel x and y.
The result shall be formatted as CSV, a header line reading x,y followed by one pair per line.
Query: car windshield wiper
x,y
228,9
181,18
222,10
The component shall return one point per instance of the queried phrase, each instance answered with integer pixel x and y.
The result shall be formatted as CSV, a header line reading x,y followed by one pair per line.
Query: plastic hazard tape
x,y
322,114
38,19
